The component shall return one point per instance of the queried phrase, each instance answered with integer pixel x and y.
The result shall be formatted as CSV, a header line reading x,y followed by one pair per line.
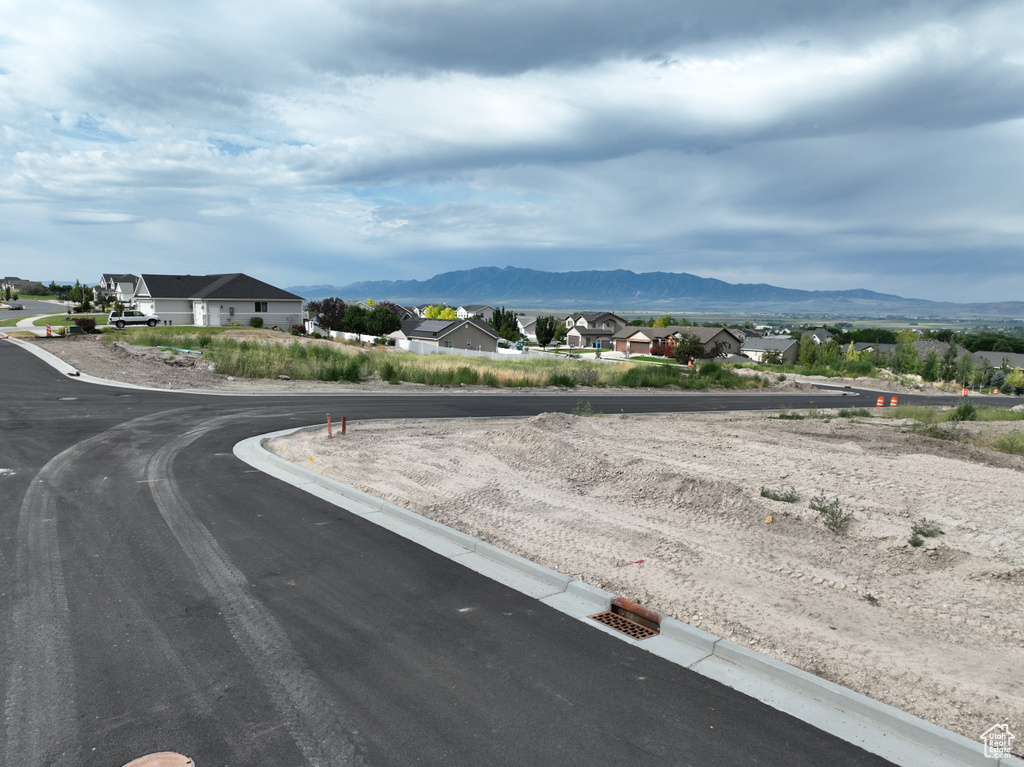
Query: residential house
x,y
755,348
482,311
120,287
528,327
998,359
661,342
593,329
820,336
744,333
472,333
14,283
215,300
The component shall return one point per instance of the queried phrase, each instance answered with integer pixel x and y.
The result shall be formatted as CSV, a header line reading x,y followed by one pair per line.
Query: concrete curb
x,y
876,727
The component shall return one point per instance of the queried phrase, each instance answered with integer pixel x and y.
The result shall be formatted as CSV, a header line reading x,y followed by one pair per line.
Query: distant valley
x,y
623,290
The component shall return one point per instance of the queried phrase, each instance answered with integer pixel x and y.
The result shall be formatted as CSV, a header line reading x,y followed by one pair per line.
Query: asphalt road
x,y
32,308
158,594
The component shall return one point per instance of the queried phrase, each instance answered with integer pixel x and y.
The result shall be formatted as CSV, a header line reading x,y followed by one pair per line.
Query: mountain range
x,y
623,290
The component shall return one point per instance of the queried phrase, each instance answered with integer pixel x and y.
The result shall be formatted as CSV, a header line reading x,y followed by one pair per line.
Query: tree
x,y
664,321
440,312
328,313
561,331
852,355
688,348
947,368
1015,381
831,353
355,319
930,365
905,358
546,328
771,357
964,368
382,320
808,350
506,324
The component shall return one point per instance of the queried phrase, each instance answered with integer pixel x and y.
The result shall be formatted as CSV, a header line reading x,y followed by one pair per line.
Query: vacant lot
x,y
668,511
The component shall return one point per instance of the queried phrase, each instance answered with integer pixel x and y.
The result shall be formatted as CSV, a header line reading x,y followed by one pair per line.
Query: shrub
x,y
87,324
786,496
965,411
832,515
926,528
582,409
1010,443
561,378
858,413
585,375
256,322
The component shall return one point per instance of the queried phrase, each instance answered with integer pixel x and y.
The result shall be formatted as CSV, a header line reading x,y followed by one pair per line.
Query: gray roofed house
x,y
215,300
118,286
820,336
662,341
483,311
755,348
472,333
592,329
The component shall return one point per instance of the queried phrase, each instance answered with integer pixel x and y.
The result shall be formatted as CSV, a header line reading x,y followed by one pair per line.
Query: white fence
x,y
418,347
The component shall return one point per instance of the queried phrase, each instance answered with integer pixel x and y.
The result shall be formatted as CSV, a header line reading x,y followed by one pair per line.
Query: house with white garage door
x,y
216,300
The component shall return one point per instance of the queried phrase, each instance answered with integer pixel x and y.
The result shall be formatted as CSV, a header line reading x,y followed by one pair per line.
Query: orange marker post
x,y
329,426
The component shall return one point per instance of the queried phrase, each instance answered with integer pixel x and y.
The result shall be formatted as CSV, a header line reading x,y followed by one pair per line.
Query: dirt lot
x,y
667,511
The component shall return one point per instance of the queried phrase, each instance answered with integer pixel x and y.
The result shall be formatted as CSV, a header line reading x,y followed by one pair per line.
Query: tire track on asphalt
x,y
39,718
38,711
317,728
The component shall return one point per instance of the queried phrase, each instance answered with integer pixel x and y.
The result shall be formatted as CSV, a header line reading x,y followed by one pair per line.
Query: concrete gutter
x,y
876,727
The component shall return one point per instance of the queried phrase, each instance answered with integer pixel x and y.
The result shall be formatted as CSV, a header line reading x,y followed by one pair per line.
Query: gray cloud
x,y
808,144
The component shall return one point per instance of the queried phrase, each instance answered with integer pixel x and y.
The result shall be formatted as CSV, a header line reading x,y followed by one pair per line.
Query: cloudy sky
x,y
806,143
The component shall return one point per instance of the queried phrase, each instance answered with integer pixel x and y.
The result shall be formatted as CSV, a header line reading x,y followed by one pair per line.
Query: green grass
x,y
268,358
62,319
932,415
1012,443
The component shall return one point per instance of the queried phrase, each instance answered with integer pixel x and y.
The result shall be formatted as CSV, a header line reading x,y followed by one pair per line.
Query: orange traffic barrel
x,y
881,402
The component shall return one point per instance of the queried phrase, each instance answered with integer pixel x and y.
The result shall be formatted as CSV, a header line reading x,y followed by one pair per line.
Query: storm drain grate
x,y
625,625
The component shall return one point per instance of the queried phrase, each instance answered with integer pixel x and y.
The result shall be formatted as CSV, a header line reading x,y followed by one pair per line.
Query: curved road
x,y
159,594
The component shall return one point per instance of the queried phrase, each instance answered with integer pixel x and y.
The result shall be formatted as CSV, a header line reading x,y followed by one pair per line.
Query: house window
x,y
261,306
